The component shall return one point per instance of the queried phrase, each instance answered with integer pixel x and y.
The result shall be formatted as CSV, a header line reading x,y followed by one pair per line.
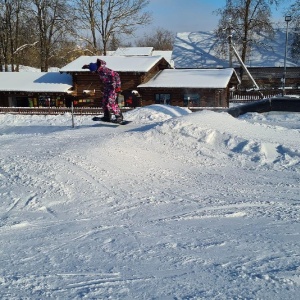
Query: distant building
x,y
144,51
133,51
202,50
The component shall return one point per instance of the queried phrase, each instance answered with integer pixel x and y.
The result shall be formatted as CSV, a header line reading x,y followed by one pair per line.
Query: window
x,y
191,100
162,99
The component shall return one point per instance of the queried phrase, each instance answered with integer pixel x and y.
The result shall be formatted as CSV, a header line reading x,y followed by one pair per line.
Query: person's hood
x,y
101,62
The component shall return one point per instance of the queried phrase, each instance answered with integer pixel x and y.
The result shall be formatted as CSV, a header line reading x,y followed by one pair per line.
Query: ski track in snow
x,y
202,206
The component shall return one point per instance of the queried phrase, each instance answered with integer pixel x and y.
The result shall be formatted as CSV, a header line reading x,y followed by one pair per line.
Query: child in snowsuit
x,y
112,85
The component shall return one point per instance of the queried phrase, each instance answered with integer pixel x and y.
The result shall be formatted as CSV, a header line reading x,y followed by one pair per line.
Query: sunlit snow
x,y
174,205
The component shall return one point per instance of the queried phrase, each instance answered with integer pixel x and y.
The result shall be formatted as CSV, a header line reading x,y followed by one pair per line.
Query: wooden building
x,y
133,70
34,89
265,59
271,77
145,80
190,87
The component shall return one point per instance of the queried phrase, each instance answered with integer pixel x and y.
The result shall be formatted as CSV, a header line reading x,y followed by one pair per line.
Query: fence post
x,y
72,113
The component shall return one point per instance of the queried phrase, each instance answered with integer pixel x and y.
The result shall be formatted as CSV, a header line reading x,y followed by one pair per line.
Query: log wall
x,y
208,97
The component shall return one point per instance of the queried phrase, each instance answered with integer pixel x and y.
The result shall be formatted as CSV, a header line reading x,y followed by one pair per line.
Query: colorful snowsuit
x,y
112,85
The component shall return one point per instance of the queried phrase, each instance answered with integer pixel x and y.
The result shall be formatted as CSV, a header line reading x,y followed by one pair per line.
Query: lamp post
x,y
287,19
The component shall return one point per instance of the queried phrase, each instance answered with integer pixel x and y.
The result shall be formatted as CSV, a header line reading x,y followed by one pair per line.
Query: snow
x,y
191,78
175,205
35,82
133,51
202,50
144,51
31,69
116,63
167,55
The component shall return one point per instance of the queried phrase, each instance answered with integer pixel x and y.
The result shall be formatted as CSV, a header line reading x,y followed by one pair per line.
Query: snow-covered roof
x,y
116,63
110,52
35,82
167,55
31,69
144,51
201,50
133,51
190,78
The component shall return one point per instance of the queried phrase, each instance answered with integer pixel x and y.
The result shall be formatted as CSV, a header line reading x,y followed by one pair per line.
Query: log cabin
x,y
133,71
190,87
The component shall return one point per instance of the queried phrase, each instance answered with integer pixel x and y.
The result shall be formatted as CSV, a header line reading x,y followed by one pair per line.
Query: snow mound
x,y
155,113
221,136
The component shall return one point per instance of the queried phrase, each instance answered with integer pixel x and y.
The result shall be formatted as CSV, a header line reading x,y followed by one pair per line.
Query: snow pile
x,y
155,113
205,132
175,205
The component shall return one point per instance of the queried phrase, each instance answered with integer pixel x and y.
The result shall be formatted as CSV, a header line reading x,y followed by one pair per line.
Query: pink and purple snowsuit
x,y
112,85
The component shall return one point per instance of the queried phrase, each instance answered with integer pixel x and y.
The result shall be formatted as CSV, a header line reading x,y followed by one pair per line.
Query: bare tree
x,y
246,18
294,12
160,39
114,42
52,20
3,36
11,26
107,19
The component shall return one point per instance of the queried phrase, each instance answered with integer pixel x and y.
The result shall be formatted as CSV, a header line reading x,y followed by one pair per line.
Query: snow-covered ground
x,y
175,205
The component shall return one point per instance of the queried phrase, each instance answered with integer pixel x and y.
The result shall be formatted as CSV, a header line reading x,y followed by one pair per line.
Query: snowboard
x,y
99,119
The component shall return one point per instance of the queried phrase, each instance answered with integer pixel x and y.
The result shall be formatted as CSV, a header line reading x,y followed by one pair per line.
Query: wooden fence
x,y
235,97
53,110
252,96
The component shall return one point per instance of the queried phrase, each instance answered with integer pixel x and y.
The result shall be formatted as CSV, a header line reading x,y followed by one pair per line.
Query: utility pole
x,y
287,19
229,30
230,44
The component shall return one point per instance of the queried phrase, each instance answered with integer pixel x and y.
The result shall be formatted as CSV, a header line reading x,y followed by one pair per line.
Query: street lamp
x,y
287,20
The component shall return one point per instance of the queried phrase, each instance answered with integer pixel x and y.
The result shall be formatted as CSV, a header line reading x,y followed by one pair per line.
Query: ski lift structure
x,y
232,51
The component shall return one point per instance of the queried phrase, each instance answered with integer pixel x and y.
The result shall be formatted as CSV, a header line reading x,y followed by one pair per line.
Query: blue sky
x,y
189,15
185,15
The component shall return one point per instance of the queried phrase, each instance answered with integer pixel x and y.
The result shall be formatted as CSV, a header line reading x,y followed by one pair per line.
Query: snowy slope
x,y
173,206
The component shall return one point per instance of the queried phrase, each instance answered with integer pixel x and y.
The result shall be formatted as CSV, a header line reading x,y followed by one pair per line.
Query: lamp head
x,y
288,18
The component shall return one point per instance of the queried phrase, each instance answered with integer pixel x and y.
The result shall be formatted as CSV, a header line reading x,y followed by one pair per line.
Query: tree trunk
x,y
246,30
